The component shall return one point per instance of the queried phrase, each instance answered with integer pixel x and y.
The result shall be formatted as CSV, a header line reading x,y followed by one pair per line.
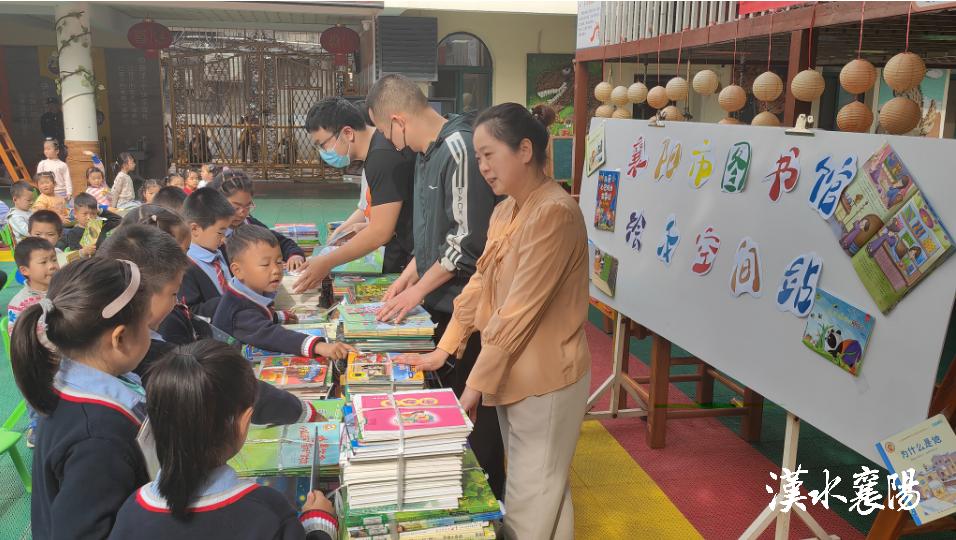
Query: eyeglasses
x,y
244,208
329,138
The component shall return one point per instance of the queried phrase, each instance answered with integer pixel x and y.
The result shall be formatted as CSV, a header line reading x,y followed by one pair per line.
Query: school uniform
x,y
86,461
287,246
205,280
227,507
251,318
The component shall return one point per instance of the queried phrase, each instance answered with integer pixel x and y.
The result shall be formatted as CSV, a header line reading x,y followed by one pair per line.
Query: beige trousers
x,y
539,435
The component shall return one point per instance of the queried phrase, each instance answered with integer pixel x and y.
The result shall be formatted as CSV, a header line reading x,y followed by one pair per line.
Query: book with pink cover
x,y
422,413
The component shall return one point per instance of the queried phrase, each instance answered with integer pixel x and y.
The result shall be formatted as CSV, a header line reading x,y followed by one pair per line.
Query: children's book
x,y
928,450
605,213
288,449
368,264
379,371
295,372
92,232
329,409
604,272
362,289
358,321
420,413
838,331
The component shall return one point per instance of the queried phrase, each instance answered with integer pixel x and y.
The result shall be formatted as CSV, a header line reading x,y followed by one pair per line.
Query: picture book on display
x,y
304,234
838,331
376,372
605,213
290,372
421,413
362,289
289,449
604,272
929,448
368,264
888,228
358,321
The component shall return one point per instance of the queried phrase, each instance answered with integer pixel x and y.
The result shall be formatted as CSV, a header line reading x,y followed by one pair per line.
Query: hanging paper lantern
x,y
857,76
729,120
619,96
904,71
657,97
603,91
766,118
340,41
150,36
807,85
900,115
706,82
732,98
855,117
637,93
621,112
767,86
673,114
604,111
676,89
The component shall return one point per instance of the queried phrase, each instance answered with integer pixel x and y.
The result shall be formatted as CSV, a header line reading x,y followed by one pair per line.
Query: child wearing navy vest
x,y
162,263
197,429
208,214
246,310
86,461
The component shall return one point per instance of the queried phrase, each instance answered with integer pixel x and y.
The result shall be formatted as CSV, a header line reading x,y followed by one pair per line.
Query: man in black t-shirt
x,y
344,134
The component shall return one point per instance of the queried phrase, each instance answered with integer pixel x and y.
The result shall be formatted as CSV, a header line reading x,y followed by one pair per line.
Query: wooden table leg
x,y
657,396
752,424
625,362
705,386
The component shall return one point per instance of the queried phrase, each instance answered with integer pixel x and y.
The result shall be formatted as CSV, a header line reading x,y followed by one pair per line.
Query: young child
x,y
19,217
208,173
198,428
208,215
87,460
47,225
176,180
123,193
162,264
170,197
192,181
96,186
63,186
162,218
246,310
149,190
86,209
238,189
48,199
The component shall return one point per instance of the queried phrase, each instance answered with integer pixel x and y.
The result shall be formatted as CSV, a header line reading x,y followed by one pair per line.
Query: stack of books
x,y
369,264
427,427
375,372
362,289
308,378
304,234
287,300
360,328
290,450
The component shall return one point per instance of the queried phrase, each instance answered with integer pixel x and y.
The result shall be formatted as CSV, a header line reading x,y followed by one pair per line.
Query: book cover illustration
x,y
329,409
359,321
605,213
295,372
378,368
604,272
288,449
929,450
838,331
417,410
594,148
368,264
91,234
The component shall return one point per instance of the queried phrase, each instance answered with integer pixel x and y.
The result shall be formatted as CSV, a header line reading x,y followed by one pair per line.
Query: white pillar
x,y
74,42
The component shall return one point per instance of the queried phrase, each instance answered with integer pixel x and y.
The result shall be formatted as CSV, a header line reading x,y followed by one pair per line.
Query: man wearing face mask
x,y
343,135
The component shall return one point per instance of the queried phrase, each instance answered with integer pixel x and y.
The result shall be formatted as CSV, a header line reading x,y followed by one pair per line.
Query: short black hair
x,y
248,236
334,113
156,253
164,219
45,174
206,206
26,247
170,197
46,216
85,200
231,181
395,93
19,189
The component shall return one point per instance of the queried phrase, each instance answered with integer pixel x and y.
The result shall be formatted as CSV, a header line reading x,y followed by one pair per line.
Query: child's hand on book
x,y
316,500
295,262
432,361
335,351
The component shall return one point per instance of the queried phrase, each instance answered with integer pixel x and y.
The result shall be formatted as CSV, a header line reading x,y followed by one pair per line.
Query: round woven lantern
x,y
904,71
732,98
899,115
676,89
604,111
857,76
621,112
729,120
637,93
673,114
807,85
767,86
603,91
855,117
657,97
619,96
705,82
765,118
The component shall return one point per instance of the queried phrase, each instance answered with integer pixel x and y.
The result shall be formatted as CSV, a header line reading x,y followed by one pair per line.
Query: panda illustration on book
x,y
850,349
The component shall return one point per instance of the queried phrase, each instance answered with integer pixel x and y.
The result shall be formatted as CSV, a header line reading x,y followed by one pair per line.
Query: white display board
x,y
749,338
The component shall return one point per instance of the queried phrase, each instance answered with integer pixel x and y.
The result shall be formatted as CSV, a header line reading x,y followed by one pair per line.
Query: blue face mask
x,y
334,159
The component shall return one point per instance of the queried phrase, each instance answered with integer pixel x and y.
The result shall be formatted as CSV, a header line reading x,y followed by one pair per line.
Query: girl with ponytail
x,y
123,194
200,398
72,355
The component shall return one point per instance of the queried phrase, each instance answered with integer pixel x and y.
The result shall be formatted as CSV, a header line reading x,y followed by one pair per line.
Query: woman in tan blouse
x,y
529,300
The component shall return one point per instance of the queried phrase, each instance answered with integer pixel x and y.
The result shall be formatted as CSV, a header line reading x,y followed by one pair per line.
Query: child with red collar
x,y
198,428
246,310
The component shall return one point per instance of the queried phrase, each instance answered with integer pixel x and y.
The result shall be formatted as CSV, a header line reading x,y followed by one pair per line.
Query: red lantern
x,y
150,36
340,40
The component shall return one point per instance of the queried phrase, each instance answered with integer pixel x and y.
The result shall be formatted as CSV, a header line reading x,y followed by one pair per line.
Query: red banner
x,y
745,8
